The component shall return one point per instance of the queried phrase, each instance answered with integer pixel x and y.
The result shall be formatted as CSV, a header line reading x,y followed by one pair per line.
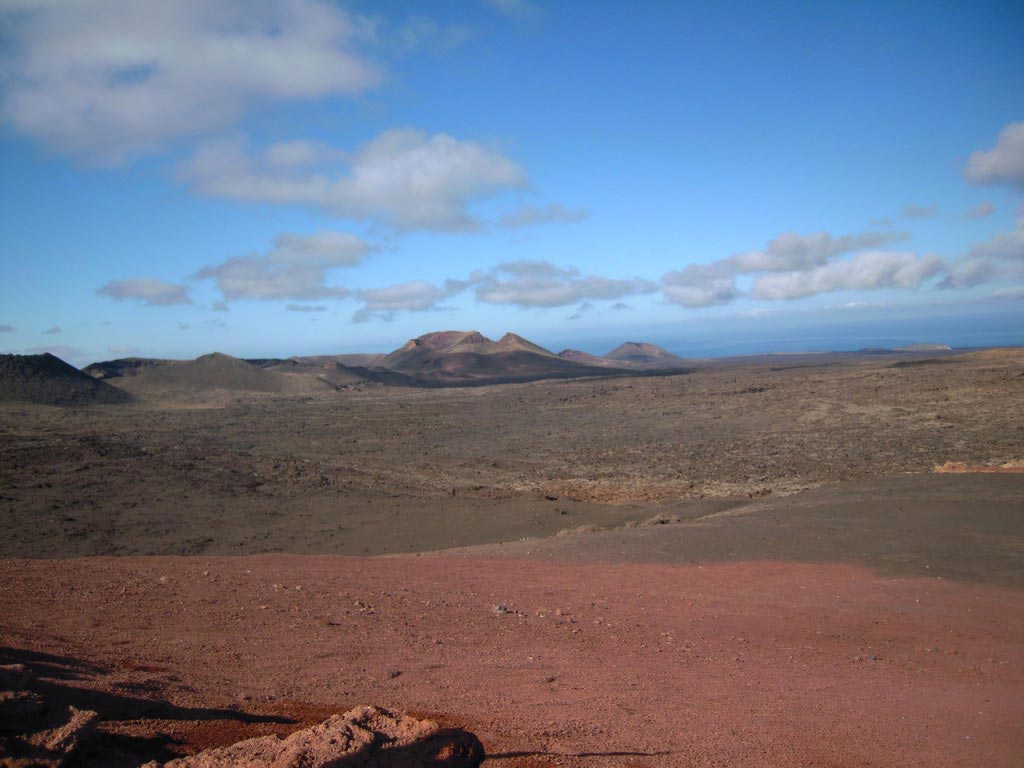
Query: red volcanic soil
x,y
550,663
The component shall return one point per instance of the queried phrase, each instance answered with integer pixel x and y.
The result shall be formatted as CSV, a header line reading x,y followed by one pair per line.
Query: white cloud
x,y
295,268
970,273
542,284
714,283
305,308
530,215
519,9
792,251
998,258
865,271
981,210
701,294
1004,163
423,33
110,79
1005,245
147,290
402,178
322,249
912,211
532,284
414,296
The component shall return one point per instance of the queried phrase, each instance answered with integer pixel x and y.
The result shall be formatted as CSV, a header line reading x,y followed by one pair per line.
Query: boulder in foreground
x,y
31,735
366,736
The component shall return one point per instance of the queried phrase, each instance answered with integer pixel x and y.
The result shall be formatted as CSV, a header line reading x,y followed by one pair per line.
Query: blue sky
x,y
313,177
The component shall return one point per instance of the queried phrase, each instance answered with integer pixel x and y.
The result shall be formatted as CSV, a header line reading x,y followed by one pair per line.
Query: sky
x,y
313,177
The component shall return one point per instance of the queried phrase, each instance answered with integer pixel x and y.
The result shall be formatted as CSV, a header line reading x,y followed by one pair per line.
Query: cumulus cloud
x,y
864,271
792,251
111,79
981,210
714,283
423,33
970,273
403,178
53,331
147,290
1001,257
414,296
530,215
530,284
1004,163
295,268
1005,245
542,284
912,211
518,9
679,288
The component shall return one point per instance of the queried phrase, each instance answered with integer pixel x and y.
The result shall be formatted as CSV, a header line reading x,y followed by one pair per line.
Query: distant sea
x,y
820,332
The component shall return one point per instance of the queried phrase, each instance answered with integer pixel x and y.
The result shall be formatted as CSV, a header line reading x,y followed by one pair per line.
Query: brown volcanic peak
x,y
512,341
468,356
446,341
642,353
48,380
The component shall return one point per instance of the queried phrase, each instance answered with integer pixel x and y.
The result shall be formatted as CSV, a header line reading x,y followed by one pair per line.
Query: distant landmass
x,y
439,359
635,355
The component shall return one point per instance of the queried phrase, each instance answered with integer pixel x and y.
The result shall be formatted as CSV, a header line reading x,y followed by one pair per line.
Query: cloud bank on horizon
x,y
368,142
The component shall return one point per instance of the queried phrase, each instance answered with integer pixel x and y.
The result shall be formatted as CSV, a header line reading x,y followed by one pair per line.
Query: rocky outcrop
x,y
32,736
366,736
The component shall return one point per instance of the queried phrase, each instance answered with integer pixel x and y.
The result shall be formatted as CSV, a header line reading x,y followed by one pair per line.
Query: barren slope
x,y
48,380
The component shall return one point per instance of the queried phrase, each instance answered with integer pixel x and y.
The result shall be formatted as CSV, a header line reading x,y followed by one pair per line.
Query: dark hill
x,y
209,372
125,366
48,380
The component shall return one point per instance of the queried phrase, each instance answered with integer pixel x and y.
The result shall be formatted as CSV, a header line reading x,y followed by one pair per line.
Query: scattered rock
x,y
50,747
501,610
661,519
